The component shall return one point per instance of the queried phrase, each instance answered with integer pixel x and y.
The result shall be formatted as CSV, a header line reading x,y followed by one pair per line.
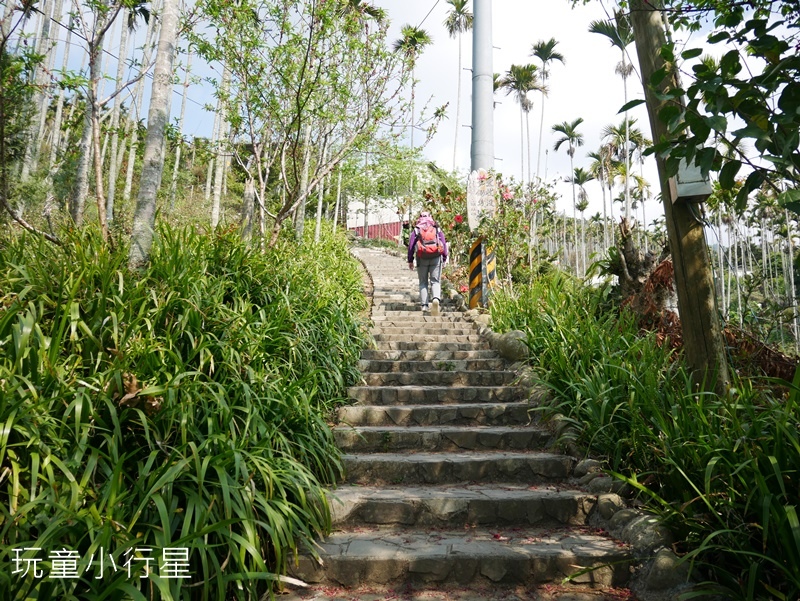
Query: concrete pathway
x,y
451,491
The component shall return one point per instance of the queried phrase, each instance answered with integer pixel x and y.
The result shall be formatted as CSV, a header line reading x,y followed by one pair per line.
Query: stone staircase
x,y
450,486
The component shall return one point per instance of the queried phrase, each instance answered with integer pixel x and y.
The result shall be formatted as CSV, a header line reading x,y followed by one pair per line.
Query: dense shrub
x,y
723,471
180,410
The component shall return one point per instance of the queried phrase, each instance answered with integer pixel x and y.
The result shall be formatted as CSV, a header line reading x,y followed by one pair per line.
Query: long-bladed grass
x,y
724,471
172,419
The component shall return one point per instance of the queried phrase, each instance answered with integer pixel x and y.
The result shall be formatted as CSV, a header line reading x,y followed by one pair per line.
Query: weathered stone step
x,y
416,345
409,366
492,414
412,329
377,439
460,506
440,378
423,355
417,317
472,337
488,591
444,468
430,395
479,556
407,306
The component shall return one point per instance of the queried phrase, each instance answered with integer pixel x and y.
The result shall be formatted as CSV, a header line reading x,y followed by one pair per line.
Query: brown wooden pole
x,y
702,332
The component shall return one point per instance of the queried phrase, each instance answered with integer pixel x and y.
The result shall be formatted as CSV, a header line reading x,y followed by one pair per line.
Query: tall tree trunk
x,y
59,115
158,117
574,210
627,140
721,261
702,331
214,141
458,103
605,215
174,187
8,13
221,149
320,197
138,95
51,42
95,52
528,141
521,145
300,215
338,200
115,113
792,289
541,129
40,76
80,188
248,206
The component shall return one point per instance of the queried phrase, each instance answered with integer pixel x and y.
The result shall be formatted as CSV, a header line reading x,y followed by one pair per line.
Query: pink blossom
x,y
507,194
459,219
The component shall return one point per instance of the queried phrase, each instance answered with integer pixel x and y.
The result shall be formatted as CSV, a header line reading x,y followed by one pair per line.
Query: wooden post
x,y
702,333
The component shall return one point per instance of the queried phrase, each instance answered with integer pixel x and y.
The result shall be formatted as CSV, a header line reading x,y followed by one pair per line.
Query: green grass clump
x,y
724,471
177,408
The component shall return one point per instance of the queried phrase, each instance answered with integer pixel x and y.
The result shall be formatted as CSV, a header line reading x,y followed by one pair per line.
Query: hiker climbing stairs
x,y
449,478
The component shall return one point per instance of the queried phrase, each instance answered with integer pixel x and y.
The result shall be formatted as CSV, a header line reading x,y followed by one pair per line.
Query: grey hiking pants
x,y
429,268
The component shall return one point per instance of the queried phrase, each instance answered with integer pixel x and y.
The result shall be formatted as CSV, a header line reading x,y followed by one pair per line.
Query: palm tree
x,y
620,34
570,135
545,52
580,177
412,42
600,168
520,80
362,11
459,20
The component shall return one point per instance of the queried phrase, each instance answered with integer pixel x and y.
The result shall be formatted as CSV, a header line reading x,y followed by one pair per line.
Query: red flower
x,y
463,288
459,219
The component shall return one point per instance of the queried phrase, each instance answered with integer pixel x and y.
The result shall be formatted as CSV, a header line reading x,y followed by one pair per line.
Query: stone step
x,y
439,378
472,337
416,316
490,414
460,506
409,366
531,467
490,591
413,329
415,345
474,556
430,395
407,306
427,355
377,439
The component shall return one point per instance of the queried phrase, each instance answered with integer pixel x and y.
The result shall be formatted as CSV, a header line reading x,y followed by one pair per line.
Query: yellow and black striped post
x,y
476,274
490,271
482,270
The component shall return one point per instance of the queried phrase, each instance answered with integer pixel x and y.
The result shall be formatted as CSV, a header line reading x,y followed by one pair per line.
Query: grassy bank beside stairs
x,y
163,433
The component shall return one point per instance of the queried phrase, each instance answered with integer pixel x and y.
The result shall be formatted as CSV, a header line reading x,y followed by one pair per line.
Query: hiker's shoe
x,y
424,308
435,307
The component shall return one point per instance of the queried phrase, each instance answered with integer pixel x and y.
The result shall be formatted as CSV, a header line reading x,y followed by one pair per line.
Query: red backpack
x,y
428,243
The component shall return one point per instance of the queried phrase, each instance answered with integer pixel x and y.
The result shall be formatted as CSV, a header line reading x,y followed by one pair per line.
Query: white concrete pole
x,y
482,149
